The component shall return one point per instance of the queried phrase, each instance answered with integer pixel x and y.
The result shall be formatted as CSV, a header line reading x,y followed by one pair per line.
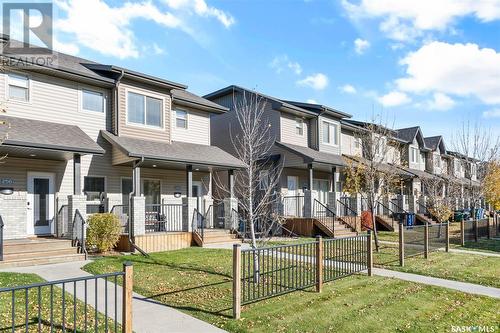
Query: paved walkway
x,y
465,287
148,315
452,250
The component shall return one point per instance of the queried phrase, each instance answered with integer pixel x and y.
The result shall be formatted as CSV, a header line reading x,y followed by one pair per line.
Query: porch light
x,y
6,190
32,155
196,169
177,194
154,165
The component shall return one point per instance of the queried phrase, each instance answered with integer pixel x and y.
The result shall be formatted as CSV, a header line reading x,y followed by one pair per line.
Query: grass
x,y
16,279
198,281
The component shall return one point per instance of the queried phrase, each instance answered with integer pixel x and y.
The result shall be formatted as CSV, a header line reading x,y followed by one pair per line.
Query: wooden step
x,y
41,261
28,245
40,254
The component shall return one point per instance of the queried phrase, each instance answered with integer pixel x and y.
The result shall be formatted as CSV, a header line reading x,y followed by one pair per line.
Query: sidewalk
x,y
452,250
148,315
465,287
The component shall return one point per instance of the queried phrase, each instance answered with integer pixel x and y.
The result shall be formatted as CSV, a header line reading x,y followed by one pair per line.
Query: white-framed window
x,y
437,161
181,119
458,166
414,155
144,110
299,126
18,87
263,179
473,169
382,142
357,143
330,133
93,101
93,186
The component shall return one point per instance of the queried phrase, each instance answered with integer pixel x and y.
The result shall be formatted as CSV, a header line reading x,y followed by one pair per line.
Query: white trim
x,y
148,94
30,87
334,123
301,127
30,223
105,98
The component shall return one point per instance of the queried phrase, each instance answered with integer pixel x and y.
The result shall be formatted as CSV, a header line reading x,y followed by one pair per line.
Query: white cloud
x,y
440,102
348,89
495,113
455,69
361,45
312,101
318,81
394,98
406,19
157,49
107,29
282,62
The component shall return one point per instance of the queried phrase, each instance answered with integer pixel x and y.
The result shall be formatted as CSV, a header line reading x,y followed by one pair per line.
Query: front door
x,y
196,189
40,203
321,186
291,202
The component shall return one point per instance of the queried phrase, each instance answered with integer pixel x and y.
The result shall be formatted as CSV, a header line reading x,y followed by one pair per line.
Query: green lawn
x,y
15,279
198,282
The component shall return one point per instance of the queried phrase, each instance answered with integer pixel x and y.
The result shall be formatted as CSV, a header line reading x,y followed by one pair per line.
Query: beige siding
x,y
313,133
325,147
125,129
198,127
420,164
288,134
349,144
302,177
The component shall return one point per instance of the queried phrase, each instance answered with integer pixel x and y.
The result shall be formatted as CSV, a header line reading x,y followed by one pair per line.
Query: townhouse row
x,y
92,137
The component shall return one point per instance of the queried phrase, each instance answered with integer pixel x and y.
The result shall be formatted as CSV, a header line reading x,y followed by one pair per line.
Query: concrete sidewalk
x,y
149,316
465,287
453,250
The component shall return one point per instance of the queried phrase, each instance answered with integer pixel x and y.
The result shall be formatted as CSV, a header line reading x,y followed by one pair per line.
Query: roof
x,y
175,151
433,142
185,97
311,155
407,134
319,108
419,173
382,167
278,103
29,133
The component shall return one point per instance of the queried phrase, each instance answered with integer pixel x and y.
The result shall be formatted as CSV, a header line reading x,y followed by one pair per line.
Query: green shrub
x,y
103,231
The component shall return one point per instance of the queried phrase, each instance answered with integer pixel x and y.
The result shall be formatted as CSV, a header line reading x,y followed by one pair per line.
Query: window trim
x,y
261,178
7,85
148,94
417,153
175,118
95,176
330,134
91,89
299,124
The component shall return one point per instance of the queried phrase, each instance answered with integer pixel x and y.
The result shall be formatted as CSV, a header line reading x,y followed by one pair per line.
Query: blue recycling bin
x,y
410,219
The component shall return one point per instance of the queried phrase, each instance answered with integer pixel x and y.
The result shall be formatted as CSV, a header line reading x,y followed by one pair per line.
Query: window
x,y
144,110
357,142
381,144
437,161
299,126
93,187
92,101
18,87
330,133
414,155
473,169
458,167
180,119
263,179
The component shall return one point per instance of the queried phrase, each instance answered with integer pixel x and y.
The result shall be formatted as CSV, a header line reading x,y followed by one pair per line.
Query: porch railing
x,y
94,207
198,223
163,217
324,215
1,238
387,211
79,233
122,212
63,225
293,206
344,208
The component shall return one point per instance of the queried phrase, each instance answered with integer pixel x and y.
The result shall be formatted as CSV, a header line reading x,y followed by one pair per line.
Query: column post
x,y
310,176
230,182
189,181
448,236
309,197
236,281
77,175
138,214
128,281
369,249
319,264
476,232
230,219
462,232
188,207
426,240
401,245
76,202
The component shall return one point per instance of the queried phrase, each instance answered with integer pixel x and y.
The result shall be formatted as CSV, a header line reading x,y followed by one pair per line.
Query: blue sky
x,y
427,63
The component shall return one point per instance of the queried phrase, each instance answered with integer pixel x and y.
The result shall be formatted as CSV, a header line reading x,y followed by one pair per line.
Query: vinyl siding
x,y
313,133
288,134
138,131
325,147
198,127
302,177
349,144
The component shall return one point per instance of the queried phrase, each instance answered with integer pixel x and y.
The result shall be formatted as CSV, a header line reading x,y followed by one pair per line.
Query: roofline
x,y
21,144
306,158
188,102
321,107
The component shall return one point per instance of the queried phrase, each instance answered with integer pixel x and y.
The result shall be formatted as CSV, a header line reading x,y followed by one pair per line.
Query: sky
x,y
430,63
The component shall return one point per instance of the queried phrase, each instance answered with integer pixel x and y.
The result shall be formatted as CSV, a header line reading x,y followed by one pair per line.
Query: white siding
x,y
348,143
198,127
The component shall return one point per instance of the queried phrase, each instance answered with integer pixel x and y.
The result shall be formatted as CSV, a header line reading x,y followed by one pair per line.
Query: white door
x,y
292,182
321,186
196,190
291,201
40,203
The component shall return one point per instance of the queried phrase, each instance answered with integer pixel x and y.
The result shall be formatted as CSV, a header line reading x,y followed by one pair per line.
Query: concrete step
x,y
211,240
350,234
34,245
41,261
233,241
40,254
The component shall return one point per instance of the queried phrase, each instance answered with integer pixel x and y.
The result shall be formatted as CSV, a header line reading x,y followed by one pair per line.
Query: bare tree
x,y
441,197
375,175
476,146
254,186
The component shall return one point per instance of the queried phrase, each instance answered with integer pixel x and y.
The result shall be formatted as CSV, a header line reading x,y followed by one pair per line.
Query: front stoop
x,y
38,251
216,236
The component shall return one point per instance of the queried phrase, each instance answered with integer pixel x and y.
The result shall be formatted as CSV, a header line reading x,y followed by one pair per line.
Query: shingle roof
x,y
184,95
47,135
311,155
382,167
182,152
432,142
319,108
407,134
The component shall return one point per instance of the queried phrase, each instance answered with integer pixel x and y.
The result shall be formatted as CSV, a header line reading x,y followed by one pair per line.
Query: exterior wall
x,y
420,164
198,127
288,134
302,177
329,148
349,144
313,133
393,155
136,130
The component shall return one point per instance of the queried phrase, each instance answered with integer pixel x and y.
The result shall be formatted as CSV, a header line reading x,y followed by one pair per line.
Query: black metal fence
x,y
83,304
344,256
324,215
348,206
422,239
80,233
414,240
63,225
163,217
437,236
483,228
293,206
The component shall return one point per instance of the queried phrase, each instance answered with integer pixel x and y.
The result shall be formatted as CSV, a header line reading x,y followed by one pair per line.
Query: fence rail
x,y
324,215
293,206
63,225
347,207
163,217
70,305
80,233
271,271
422,239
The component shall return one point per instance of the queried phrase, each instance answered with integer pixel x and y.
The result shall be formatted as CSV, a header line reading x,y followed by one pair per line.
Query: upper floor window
x,y
93,187
92,101
473,169
357,143
437,161
263,179
181,119
330,133
299,126
144,110
414,155
18,87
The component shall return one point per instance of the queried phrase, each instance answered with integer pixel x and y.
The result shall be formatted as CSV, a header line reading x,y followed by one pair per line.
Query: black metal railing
x,y
79,233
482,228
344,256
347,206
414,240
75,305
421,207
163,217
1,238
198,223
387,211
437,236
324,215
63,225
122,212
94,207
293,206
219,217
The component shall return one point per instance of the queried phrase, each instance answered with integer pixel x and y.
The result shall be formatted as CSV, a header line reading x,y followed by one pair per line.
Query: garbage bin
x,y
458,216
410,219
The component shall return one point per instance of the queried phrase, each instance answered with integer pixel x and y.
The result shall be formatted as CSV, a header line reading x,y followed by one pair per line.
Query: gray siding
x,y
288,134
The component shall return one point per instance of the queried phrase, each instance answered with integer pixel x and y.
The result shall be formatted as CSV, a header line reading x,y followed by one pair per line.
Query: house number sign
x,y
6,181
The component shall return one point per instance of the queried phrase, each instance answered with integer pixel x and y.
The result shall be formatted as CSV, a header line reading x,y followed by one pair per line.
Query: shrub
x,y
103,231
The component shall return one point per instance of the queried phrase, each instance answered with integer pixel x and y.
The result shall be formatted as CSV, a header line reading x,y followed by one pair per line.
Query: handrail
x,y
348,208
400,208
198,217
83,224
386,207
316,214
423,206
1,238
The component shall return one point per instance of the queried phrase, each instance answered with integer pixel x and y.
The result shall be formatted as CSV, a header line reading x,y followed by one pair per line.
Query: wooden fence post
x,y
426,240
448,237
236,281
489,226
369,250
128,285
462,233
319,264
475,230
401,245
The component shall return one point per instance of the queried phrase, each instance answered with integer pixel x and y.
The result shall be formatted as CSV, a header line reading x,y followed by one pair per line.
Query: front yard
x,y
198,282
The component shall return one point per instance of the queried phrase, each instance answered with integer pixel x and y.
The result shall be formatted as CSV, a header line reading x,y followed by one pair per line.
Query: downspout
x,y
116,103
